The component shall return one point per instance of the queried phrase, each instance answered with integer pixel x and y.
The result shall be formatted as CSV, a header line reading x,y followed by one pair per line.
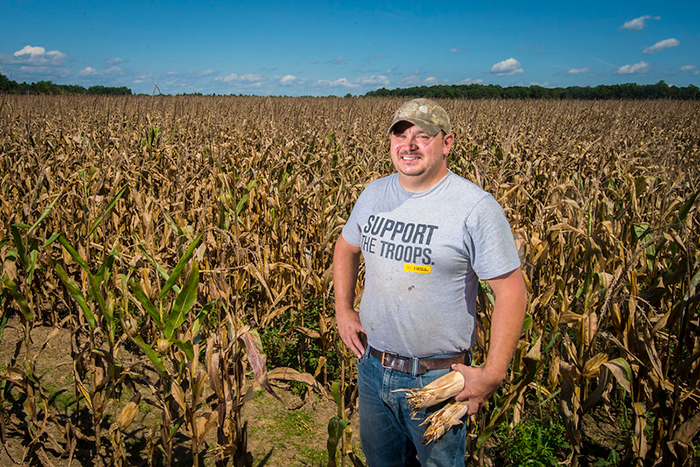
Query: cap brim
x,y
425,125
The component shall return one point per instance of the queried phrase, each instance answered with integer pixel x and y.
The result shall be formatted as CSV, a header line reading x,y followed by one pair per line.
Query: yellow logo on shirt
x,y
416,268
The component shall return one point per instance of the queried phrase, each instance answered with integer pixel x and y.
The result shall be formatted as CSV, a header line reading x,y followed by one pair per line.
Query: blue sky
x,y
339,47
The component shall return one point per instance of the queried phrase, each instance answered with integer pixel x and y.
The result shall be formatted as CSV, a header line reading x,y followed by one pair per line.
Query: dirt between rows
x,y
290,432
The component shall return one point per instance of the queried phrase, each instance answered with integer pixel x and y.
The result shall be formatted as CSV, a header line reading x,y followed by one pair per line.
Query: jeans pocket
x,y
364,356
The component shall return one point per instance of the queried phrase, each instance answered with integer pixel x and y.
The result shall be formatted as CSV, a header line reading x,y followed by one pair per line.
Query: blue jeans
x,y
389,436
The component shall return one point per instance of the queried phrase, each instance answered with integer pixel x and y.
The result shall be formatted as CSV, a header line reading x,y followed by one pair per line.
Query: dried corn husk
x,y
441,421
439,390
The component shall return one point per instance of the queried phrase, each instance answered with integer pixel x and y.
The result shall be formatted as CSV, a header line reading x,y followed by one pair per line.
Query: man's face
x,y
419,158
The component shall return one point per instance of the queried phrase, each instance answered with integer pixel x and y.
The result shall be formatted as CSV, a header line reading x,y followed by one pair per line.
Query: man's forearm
x,y
506,325
346,263
506,321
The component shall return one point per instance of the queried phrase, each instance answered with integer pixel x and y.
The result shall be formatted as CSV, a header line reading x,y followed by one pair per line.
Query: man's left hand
x,y
479,384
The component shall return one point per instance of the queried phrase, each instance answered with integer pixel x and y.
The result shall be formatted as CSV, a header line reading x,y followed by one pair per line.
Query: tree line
x,y
48,87
660,90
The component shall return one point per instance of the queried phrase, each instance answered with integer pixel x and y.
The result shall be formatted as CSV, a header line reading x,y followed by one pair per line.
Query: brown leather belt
x,y
418,366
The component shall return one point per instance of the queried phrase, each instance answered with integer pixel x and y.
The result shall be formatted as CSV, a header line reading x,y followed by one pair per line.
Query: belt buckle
x,y
385,355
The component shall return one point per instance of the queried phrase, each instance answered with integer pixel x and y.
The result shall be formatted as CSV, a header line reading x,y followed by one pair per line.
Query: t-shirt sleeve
x,y
352,231
489,240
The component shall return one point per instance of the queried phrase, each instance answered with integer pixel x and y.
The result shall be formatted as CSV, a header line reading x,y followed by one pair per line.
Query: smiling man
x,y
427,236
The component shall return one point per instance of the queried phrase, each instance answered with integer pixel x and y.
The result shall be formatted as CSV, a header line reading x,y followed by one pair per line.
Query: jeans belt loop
x,y
414,370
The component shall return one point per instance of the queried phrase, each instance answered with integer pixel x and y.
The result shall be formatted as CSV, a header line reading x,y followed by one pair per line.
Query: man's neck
x,y
417,184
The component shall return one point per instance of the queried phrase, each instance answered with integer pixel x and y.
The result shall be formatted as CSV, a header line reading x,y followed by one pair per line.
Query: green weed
x,y
534,443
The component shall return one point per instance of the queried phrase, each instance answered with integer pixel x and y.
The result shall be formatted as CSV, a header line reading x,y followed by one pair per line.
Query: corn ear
x,y
442,420
439,390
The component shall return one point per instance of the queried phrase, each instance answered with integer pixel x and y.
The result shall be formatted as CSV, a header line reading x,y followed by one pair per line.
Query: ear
x,y
447,141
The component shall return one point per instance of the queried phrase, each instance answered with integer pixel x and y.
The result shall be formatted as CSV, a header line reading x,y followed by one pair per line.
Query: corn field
x,y
176,236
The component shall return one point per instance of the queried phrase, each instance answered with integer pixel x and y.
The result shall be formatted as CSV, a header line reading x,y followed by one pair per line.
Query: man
x,y
427,236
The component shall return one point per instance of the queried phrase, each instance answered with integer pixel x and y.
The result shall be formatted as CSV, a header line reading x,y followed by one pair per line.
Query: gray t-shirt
x,y
424,254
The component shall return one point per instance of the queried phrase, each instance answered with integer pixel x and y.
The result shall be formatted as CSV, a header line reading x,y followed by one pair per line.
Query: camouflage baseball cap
x,y
427,114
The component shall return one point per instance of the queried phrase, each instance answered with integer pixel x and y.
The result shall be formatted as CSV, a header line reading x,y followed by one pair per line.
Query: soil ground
x,y
291,432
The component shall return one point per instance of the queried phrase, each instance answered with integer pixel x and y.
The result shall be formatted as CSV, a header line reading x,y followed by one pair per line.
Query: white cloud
x,y
29,50
471,81
32,55
453,51
374,80
35,62
688,68
415,79
114,61
638,24
143,78
236,78
641,67
90,71
113,70
661,45
507,68
87,71
343,82
288,79
576,71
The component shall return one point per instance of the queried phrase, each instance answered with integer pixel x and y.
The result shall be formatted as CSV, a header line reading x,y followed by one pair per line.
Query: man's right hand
x,y
351,330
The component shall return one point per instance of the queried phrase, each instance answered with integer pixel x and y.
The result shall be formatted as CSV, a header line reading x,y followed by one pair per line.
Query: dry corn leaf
x,y
127,414
178,395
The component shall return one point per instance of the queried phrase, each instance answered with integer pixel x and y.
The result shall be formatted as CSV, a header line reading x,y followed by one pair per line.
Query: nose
x,y
411,141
